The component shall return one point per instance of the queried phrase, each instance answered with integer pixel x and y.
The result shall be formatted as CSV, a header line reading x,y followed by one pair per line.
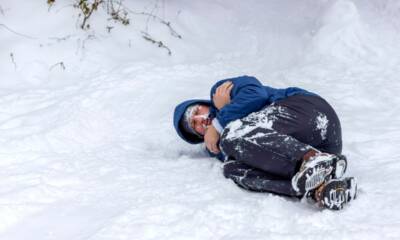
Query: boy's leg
x,y
257,180
276,138
315,123
333,194
267,150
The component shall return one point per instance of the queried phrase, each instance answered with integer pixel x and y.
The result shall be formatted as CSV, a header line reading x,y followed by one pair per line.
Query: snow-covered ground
x,y
89,151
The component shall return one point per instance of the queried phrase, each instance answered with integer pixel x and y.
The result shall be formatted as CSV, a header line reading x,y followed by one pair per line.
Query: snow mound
x,y
343,35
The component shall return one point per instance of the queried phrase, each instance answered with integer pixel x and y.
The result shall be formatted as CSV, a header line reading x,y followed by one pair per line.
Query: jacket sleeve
x,y
220,156
248,95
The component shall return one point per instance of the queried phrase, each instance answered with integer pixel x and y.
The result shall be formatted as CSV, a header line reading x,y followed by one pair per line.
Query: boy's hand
x,y
211,139
222,95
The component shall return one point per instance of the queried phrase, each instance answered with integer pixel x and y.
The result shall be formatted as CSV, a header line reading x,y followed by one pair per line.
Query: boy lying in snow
x,y
283,141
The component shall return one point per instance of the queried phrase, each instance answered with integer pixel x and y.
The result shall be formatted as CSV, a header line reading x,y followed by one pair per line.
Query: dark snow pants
x,y
266,147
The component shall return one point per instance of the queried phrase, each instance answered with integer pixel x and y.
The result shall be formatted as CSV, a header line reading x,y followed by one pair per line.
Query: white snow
x,y
322,124
263,120
89,151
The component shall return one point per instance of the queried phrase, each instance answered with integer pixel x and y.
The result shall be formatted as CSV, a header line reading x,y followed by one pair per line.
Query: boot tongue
x,y
310,154
318,193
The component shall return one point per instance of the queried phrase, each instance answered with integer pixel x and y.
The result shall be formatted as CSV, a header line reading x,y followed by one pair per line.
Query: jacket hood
x,y
178,114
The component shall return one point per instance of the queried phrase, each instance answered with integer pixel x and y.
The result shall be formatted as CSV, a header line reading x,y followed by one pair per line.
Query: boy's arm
x,y
248,95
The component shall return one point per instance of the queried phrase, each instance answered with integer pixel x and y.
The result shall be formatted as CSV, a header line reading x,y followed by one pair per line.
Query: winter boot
x,y
317,169
335,193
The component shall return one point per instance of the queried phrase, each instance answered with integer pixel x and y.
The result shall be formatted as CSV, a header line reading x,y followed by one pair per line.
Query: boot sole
x,y
317,172
338,193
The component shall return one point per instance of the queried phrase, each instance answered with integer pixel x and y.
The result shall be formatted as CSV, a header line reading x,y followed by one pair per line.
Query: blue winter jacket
x,y
248,95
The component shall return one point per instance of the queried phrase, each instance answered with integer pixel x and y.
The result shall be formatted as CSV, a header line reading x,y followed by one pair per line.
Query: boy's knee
x,y
229,168
227,144
233,168
224,143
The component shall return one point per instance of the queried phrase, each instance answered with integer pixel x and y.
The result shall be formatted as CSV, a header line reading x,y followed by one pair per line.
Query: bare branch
x,y
60,39
17,33
173,32
151,13
119,15
118,12
87,10
160,44
61,64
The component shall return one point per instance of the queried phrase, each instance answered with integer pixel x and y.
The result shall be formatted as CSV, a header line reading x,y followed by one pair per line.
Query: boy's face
x,y
199,119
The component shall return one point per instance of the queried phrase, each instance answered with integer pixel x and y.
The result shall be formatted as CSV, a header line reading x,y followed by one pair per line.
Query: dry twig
x,y
160,44
61,64
17,33
87,10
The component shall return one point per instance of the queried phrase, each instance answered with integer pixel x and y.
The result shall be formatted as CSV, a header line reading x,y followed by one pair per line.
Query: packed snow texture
x,y
264,119
322,124
87,147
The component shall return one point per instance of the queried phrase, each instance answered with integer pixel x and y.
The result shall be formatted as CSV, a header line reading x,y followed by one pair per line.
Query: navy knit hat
x,y
179,121
185,120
